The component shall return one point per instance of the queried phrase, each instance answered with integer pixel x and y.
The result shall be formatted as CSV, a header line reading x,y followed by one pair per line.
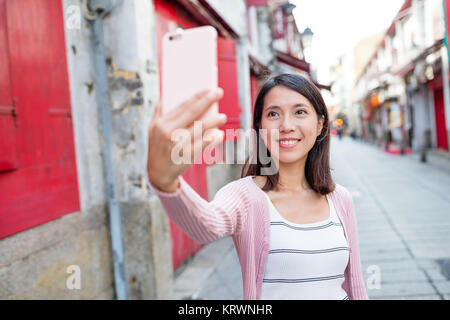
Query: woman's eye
x,y
304,112
271,112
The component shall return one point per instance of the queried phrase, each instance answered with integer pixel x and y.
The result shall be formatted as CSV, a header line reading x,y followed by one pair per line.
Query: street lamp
x,y
307,36
288,7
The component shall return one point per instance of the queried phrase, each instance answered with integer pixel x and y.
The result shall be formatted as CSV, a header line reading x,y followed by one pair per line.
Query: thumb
x,y
157,112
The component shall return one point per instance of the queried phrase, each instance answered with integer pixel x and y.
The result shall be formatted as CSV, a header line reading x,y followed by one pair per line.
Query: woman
x,y
294,229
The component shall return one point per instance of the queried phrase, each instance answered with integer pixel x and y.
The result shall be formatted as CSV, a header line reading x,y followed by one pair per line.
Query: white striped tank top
x,y
305,261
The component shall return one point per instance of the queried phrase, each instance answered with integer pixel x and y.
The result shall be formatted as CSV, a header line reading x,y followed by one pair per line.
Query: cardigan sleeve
x,y
358,289
205,221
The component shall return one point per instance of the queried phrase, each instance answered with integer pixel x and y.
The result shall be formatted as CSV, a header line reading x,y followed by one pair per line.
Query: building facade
x,y
401,92
61,175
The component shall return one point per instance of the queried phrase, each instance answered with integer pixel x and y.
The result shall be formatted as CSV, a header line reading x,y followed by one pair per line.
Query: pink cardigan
x,y
240,209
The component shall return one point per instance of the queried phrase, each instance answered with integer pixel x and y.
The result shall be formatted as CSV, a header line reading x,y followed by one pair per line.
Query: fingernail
x,y
223,116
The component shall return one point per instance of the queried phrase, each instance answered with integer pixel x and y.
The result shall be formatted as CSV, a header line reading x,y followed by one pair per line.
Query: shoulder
x,y
260,181
342,191
342,195
238,188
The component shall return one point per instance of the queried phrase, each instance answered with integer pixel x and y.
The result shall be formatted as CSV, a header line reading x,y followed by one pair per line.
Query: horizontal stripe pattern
x,y
306,261
338,276
308,251
284,224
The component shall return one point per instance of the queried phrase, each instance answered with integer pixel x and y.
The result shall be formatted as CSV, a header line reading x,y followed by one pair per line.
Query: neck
x,y
292,176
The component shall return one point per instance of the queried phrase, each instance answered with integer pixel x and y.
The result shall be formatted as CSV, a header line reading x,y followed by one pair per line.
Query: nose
x,y
287,124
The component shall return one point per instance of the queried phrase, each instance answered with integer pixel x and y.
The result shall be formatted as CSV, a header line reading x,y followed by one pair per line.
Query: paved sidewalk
x,y
213,273
403,214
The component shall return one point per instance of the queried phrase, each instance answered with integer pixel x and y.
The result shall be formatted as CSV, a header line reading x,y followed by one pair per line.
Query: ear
x,y
321,121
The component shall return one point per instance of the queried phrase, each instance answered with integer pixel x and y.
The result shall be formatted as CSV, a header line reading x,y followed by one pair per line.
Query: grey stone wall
x,y
33,263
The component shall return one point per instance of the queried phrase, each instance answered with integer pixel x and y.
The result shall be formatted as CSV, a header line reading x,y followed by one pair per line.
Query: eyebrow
x,y
294,106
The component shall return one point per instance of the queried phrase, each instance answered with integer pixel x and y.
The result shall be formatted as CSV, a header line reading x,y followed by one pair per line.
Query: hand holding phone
x,y
189,80
162,171
189,65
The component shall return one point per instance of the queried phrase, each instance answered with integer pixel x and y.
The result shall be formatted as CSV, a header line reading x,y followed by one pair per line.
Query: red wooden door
x,y
439,110
228,81
8,126
44,186
254,85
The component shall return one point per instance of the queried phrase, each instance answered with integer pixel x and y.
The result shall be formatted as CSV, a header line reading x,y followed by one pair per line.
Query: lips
x,y
288,143
287,139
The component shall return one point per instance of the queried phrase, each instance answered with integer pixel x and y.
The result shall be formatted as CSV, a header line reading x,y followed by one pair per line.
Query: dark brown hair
x,y
317,167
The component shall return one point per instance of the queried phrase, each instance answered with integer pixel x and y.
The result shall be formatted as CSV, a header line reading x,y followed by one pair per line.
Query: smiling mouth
x,y
288,143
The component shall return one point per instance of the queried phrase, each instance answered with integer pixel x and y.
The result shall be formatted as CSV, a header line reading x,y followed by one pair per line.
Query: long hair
x,y
317,167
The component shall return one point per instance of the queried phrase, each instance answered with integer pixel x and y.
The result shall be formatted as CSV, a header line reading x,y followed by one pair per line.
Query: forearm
x,y
203,221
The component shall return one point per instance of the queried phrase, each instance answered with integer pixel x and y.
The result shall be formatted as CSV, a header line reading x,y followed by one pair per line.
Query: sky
x,y
339,24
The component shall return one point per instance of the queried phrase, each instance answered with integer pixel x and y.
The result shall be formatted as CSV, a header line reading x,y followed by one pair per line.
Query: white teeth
x,y
288,142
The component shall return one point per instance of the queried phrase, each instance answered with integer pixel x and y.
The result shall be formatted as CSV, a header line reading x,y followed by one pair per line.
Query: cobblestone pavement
x,y
403,213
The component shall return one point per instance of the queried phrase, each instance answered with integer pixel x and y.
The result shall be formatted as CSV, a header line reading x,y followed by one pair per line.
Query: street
x,y
402,208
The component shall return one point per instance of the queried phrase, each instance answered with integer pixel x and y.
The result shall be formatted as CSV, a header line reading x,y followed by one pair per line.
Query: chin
x,y
292,158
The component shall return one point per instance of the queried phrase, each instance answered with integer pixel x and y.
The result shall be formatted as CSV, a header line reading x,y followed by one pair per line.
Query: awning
x,y
292,61
257,67
298,64
322,86
410,66
205,13
256,3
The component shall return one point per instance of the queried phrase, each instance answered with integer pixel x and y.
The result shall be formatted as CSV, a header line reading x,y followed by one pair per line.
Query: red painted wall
x,y
8,125
43,183
439,112
228,80
254,87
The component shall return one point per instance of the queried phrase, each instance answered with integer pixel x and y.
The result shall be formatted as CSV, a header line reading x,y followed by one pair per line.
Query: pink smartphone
x,y
189,65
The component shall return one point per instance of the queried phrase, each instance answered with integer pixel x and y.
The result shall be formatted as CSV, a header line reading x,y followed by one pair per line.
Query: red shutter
x,y
45,186
256,3
254,87
8,129
228,81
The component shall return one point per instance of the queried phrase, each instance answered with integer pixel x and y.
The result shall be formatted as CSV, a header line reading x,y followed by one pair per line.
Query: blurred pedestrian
x,y
294,229
339,132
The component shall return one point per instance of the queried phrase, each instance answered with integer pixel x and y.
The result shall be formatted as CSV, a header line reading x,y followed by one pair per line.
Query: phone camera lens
x,y
171,38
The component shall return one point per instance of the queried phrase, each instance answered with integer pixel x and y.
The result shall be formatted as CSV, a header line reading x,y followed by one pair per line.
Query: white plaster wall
x,y
129,42
233,12
84,110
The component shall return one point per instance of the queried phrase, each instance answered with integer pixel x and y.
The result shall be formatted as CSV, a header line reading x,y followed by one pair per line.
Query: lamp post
x,y
307,36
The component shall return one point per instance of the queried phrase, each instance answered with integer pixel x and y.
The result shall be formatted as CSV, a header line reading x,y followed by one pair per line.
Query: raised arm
x,y
202,220
205,221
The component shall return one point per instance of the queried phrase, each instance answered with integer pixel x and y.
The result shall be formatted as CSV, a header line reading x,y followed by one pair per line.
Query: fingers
x,y
205,132
156,113
177,112
158,110
212,137
200,127
194,108
209,140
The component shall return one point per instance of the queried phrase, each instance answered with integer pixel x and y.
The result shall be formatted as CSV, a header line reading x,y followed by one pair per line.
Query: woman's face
x,y
289,115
